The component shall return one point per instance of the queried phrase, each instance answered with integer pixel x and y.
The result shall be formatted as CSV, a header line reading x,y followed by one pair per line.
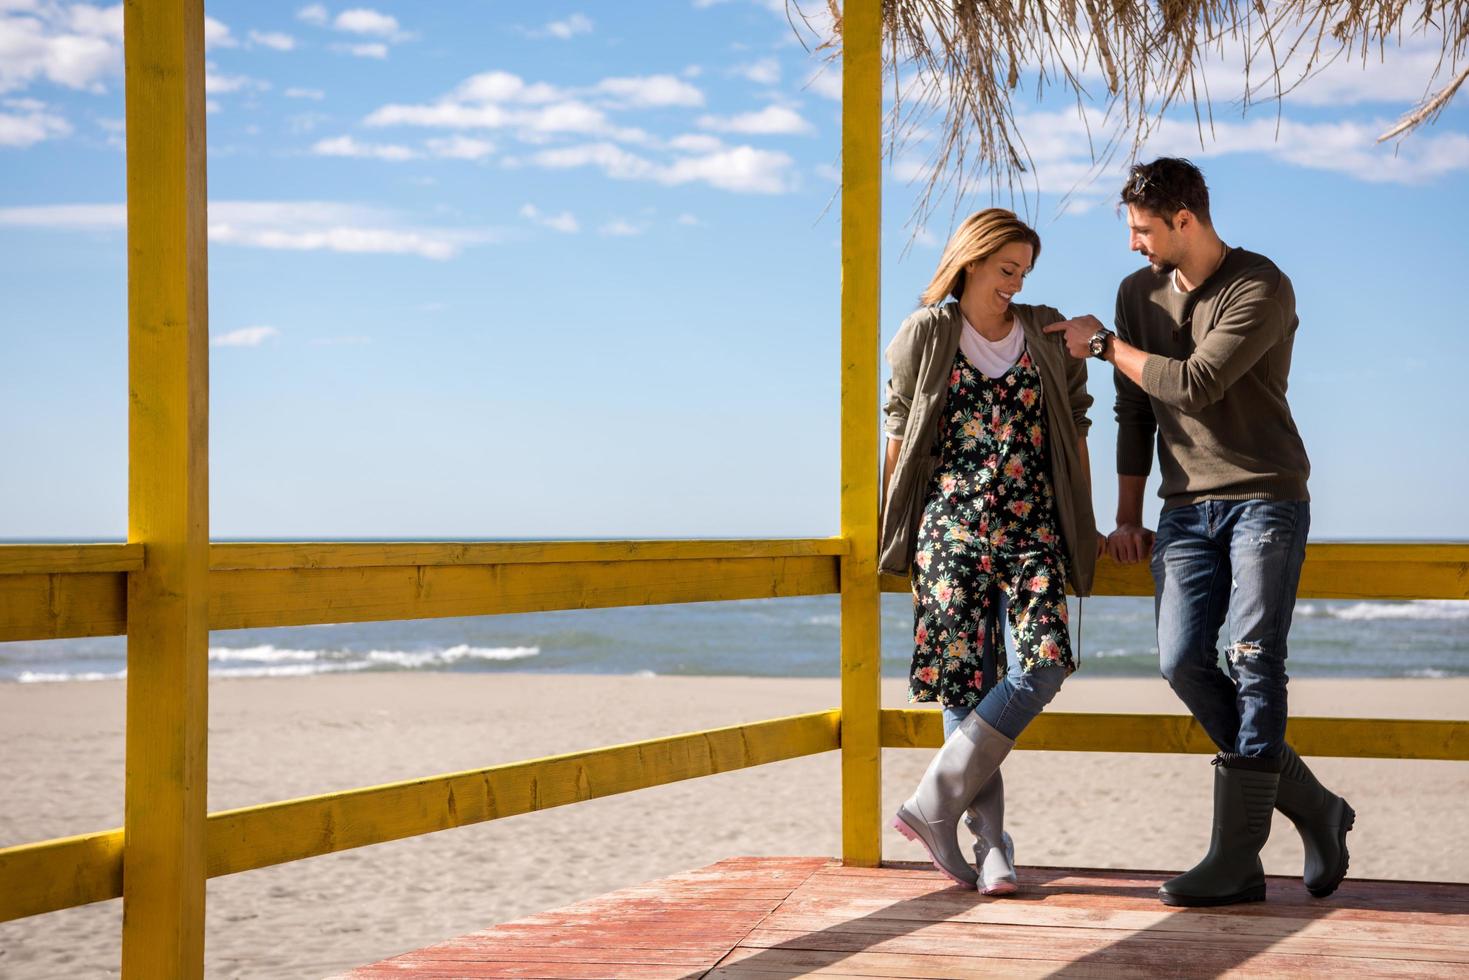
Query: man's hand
x,y
1130,543
1076,334
1101,544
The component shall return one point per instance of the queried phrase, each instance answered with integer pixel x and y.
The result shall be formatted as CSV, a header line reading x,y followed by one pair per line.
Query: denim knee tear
x,y
1243,651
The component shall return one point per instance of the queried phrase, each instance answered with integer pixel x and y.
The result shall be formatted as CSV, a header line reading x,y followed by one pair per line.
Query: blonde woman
x,y
988,504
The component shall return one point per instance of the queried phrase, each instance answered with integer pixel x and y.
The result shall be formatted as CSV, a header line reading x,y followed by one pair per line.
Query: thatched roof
x,y
964,62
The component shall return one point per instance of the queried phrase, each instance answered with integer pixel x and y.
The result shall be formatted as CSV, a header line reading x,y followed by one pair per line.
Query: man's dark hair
x,y
1165,187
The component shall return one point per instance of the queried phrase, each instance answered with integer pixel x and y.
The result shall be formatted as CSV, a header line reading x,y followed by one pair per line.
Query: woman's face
x,y
992,282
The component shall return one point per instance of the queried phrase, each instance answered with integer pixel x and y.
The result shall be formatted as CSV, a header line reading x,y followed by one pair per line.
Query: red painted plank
x,y
785,917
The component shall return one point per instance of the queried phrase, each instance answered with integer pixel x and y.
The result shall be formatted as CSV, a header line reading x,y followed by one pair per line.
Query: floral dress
x,y
989,525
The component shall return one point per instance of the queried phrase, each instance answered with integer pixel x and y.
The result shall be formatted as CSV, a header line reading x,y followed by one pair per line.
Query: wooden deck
x,y
786,917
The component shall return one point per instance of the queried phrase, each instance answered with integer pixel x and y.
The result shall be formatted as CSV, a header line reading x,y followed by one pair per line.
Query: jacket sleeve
x,y
903,356
1248,326
1077,394
1136,424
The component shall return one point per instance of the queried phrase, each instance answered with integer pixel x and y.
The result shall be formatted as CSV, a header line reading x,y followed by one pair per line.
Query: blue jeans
x,y
1013,702
1239,559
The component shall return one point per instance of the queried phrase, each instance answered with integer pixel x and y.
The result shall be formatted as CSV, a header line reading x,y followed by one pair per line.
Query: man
x,y
1201,358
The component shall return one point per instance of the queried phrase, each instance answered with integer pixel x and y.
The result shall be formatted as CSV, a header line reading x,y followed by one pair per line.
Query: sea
x,y
796,637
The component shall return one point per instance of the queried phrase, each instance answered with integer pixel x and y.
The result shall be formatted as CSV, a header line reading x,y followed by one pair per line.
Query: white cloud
x,y
245,337
651,91
827,82
611,159
25,122
362,20
620,228
346,146
372,49
565,222
216,84
275,40
314,94
742,169
461,148
765,71
771,121
217,35
688,220
288,225
313,14
502,86
568,28
696,143
75,47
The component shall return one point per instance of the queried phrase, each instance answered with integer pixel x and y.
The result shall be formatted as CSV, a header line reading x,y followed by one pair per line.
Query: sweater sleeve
x,y
903,356
1249,325
1136,424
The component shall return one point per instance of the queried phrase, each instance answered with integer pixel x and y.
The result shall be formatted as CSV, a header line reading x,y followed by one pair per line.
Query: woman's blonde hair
x,y
978,236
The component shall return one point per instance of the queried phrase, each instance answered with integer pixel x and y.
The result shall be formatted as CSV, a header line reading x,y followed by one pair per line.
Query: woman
x,y
989,502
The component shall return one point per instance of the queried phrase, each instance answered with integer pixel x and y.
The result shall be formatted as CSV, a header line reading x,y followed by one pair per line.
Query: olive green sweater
x,y
1213,387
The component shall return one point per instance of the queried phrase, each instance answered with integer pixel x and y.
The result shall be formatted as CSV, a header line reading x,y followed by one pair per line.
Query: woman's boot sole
x,y
901,826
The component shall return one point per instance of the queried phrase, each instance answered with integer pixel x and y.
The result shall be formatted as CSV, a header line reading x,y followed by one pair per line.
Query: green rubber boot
x,y
1321,817
1245,789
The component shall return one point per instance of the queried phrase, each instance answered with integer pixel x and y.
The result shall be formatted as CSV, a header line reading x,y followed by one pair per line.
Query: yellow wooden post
x,y
861,251
168,491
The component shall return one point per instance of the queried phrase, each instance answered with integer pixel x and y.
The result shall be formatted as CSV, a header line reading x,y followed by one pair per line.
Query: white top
x,y
992,357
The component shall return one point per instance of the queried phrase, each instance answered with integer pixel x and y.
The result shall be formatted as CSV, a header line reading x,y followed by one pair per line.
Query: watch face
x,y
1098,345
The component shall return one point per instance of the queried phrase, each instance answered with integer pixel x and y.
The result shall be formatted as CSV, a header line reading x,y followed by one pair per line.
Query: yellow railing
x,y
168,585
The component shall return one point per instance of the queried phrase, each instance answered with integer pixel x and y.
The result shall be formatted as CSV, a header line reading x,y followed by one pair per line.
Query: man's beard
x,y
1161,267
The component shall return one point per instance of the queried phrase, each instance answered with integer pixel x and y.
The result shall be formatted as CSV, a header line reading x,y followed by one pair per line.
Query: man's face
x,y
1150,237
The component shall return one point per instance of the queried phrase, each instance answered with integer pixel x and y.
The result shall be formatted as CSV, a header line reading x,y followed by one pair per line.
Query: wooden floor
x,y
786,917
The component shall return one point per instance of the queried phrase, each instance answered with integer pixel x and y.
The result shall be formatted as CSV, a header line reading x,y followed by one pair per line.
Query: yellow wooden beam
x,y
861,271
60,874
54,600
168,490
1333,570
47,607
1353,738
263,555
351,595
49,875
69,559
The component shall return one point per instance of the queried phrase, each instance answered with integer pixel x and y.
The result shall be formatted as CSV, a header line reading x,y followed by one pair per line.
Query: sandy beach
x,y
279,738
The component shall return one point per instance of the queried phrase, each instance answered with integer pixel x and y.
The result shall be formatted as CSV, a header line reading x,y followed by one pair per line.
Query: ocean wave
x,y
826,620
44,677
264,654
416,660
1427,672
1428,609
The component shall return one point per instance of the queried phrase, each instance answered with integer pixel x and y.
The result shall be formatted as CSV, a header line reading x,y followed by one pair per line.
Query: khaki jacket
x,y
922,358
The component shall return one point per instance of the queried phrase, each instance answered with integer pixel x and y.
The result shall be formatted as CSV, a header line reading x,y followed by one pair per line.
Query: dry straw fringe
x,y
963,62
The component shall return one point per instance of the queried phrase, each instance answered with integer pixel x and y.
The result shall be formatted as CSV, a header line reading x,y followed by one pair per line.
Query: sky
x,y
497,269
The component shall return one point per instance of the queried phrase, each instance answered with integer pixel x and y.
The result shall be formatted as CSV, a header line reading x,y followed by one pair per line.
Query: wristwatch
x,y
1098,344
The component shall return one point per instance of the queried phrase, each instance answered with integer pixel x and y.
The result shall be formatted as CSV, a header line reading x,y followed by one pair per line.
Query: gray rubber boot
x,y
1321,817
994,851
1244,797
968,758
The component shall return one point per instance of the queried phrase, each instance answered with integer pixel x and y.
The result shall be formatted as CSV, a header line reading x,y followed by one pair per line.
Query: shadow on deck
x,y
786,917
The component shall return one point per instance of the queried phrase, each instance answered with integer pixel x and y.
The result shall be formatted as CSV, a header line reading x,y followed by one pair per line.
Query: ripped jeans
x,y
1239,559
